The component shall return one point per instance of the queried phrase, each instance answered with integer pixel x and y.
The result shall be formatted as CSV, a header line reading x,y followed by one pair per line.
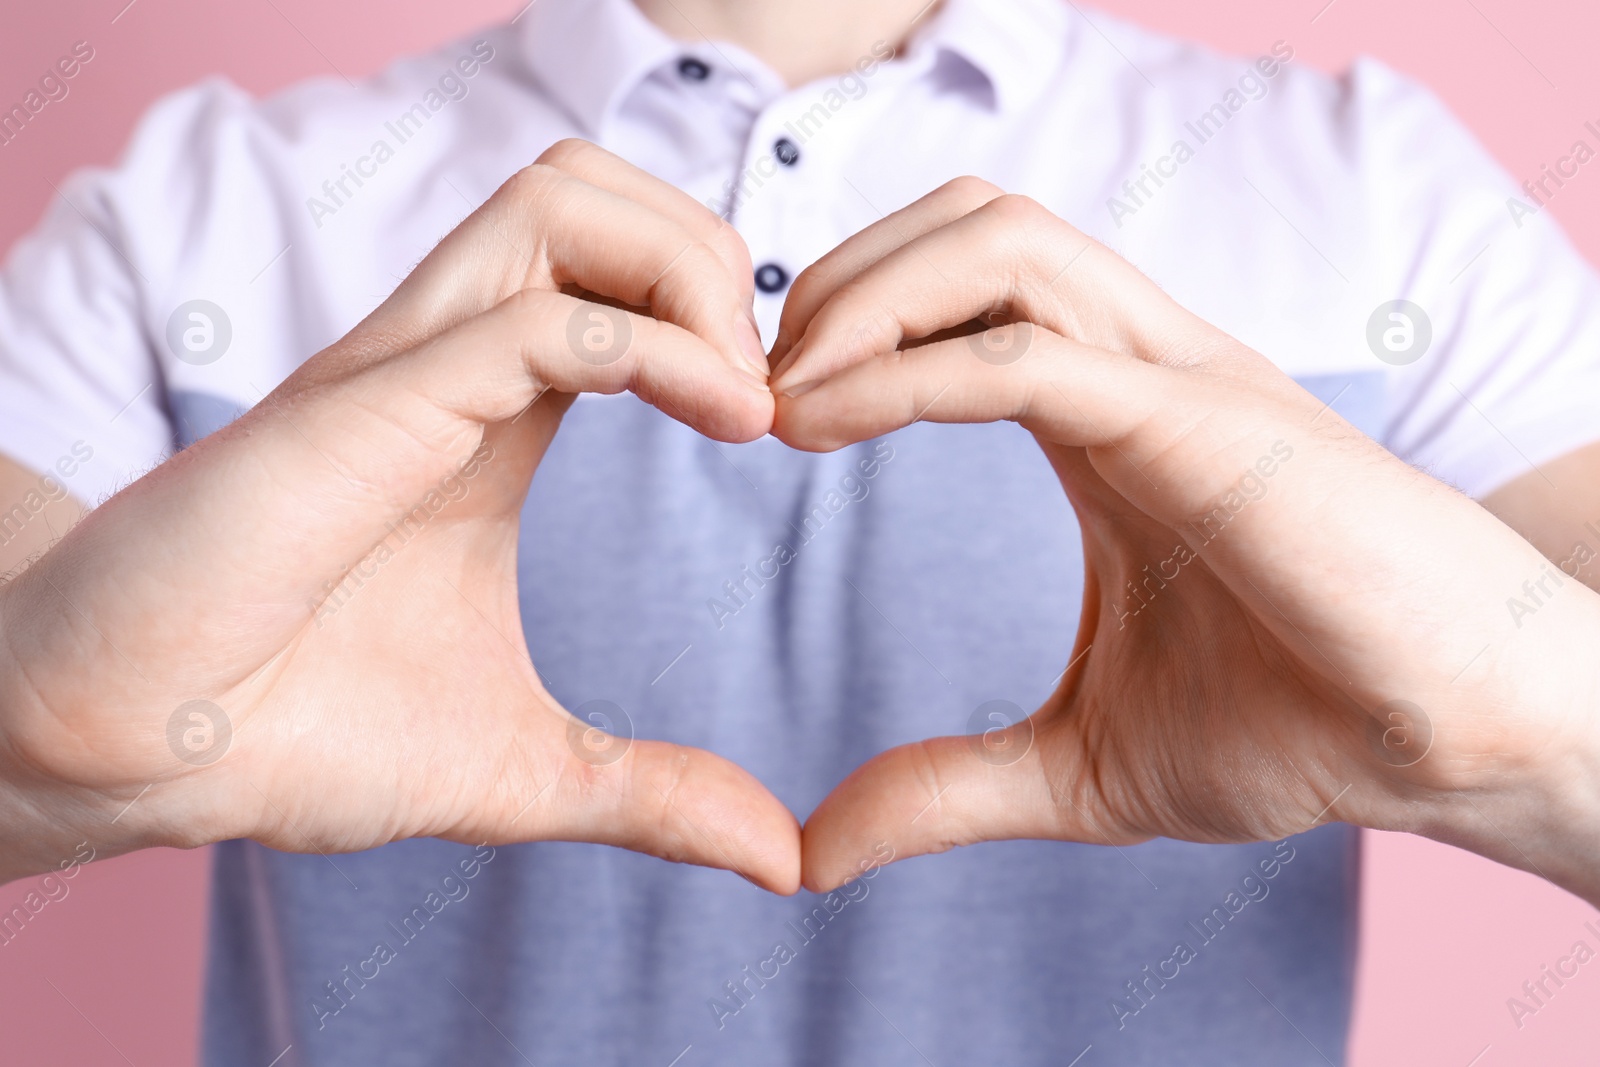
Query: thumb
x,y
680,803
934,795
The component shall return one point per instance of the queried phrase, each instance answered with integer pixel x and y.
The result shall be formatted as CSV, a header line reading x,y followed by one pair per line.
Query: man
x,y
308,633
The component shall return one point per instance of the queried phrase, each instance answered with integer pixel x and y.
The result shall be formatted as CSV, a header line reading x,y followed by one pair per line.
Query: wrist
x,y
33,843
1549,828
46,826
1537,805
1559,803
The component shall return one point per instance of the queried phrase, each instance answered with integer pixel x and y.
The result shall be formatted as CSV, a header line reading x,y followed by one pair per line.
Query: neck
x,y
801,41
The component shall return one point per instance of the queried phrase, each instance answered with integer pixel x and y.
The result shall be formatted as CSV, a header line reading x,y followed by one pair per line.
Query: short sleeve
x,y
82,396
1511,375
77,377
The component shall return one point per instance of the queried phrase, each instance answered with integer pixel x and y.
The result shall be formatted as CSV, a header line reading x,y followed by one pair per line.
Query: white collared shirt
x,y
1280,204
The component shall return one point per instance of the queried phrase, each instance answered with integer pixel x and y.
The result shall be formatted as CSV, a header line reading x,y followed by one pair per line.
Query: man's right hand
x,y
179,646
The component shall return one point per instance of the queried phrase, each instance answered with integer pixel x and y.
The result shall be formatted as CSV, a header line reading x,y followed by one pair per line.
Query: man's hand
x,y
280,635
1282,623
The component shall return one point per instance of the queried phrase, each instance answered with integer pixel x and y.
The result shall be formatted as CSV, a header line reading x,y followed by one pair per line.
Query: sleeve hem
x,y
47,451
1508,452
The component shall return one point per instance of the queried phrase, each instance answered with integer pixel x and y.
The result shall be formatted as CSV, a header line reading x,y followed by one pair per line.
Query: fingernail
x,y
800,389
744,328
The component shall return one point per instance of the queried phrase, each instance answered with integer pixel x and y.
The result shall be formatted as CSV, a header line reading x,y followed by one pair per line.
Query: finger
x,y
1171,441
491,367
823,278
679,803
606,170
1067,392
327,467
1009,258
547,229
618,247
934,795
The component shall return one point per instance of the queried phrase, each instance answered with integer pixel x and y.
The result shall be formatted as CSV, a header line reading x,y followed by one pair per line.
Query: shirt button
x,y
770,277
787,151
693,69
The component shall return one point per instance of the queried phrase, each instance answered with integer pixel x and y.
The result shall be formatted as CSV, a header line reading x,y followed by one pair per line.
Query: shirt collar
x,y
1014,45
590,54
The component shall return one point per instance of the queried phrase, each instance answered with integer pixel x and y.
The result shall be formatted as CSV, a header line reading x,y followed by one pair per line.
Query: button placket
x,y
778,198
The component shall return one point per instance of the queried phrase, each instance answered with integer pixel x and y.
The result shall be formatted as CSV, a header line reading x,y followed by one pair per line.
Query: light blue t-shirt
x,y
925,574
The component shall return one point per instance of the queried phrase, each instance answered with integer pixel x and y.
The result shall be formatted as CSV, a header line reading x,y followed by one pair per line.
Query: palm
x,y
379,698
398,710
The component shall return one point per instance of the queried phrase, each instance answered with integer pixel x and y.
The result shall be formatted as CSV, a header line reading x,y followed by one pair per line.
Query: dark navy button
x,y
770,277
787,151
693,69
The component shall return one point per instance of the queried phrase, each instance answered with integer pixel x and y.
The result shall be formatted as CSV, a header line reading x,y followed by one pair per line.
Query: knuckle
x,y
926,767
694,272
566,153
1029,233
816,276
1018,209
970,189
532,185
805,298
732,249
696,258
525,304
871,325
669,818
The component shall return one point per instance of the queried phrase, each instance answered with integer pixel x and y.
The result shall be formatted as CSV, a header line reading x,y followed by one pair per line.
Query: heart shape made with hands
x,y
1250,696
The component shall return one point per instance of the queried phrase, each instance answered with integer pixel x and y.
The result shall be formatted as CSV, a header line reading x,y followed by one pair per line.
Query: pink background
x,y
111,974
